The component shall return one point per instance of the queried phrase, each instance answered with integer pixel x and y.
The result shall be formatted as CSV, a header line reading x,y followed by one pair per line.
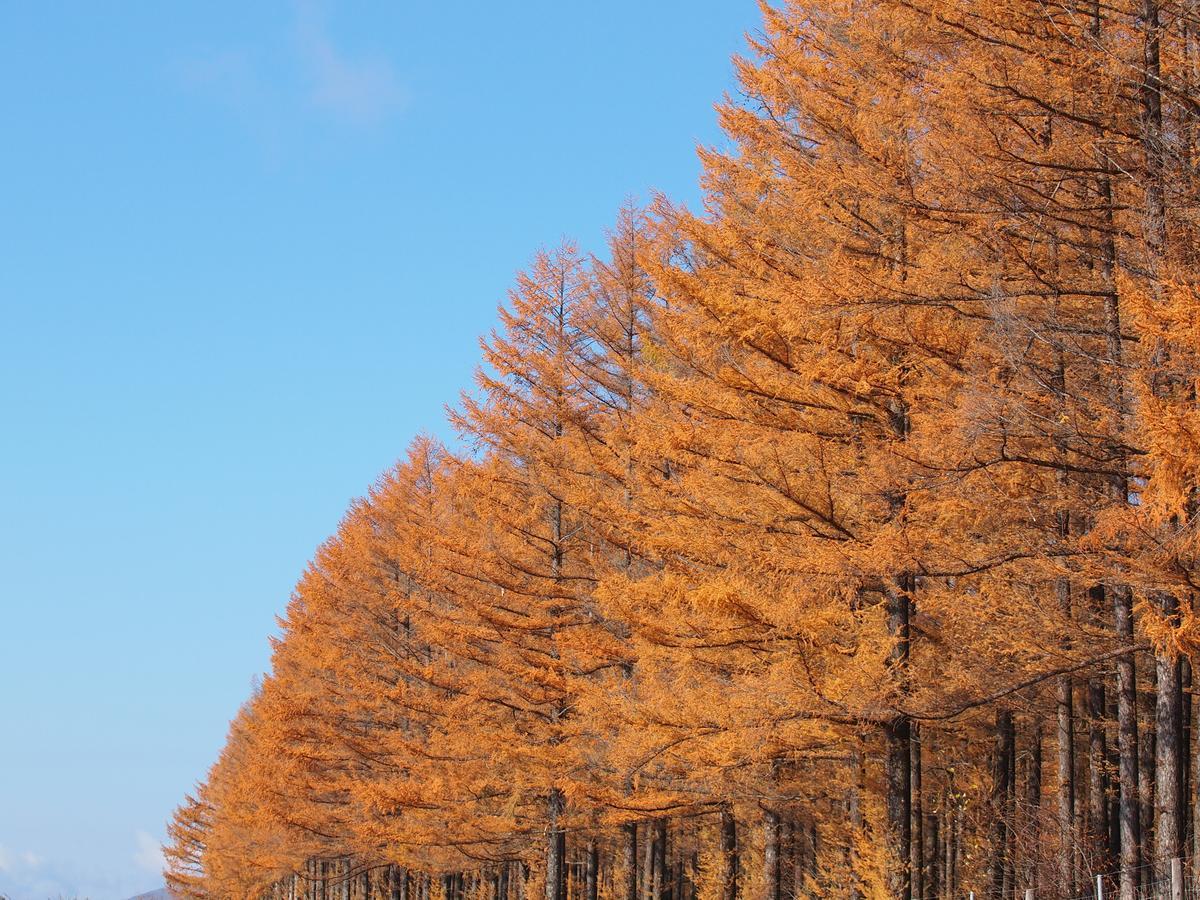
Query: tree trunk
x,y
1001,800
648,863
770,855
1195,794
897,734
799,857
949,873
1166,715
1185,756
729,856
592,870
555,848
957,857
1032,813
660,859
854,813
629,860
1150,85
917,840
1167,721
1010,809
814,867
787,855
1066,762
1127,747
1097,797
1146,782
930,876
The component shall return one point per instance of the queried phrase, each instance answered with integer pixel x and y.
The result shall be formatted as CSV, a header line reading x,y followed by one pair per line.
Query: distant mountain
x,y
160,894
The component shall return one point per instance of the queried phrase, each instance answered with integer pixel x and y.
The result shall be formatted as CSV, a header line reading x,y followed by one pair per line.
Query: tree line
x,y
836,540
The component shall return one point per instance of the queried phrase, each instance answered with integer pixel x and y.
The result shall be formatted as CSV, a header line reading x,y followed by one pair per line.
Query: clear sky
x,y
245,253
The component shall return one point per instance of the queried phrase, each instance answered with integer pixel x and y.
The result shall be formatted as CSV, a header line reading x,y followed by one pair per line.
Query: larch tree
x,y
838,540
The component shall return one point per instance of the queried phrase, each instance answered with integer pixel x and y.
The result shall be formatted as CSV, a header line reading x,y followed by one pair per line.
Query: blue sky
x,y
245,255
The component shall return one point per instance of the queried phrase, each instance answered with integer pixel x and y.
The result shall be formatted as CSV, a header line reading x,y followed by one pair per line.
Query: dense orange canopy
x,y
836,539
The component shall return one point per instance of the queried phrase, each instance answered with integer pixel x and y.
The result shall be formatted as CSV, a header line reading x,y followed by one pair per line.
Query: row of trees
x,y
837,541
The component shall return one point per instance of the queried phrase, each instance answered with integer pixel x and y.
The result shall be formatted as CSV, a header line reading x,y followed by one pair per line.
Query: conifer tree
x,y
837,541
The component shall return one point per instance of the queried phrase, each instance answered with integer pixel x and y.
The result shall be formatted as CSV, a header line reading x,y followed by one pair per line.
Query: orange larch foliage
x,y
838,540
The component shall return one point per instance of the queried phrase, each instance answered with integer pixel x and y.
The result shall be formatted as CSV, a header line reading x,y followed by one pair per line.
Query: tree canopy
x,y
838,539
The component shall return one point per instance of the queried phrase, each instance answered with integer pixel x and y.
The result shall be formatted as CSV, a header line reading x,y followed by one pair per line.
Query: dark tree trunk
x,y
917,840
854,812
814,866
729,856
899,807
644,853
1185,756
930,878
658,878
1114,796
800,857
1097,805
1195,792
556,848
592,870
1127,747
1146,782
1167,720
787,856
1010,809
770,854
629,860
1001,800
1150,85
897,734
1032,814
1066,763
949,870
1147,760
957,855
648,862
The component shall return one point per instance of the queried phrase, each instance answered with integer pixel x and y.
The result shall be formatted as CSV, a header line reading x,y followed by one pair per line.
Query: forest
x,y
837,539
